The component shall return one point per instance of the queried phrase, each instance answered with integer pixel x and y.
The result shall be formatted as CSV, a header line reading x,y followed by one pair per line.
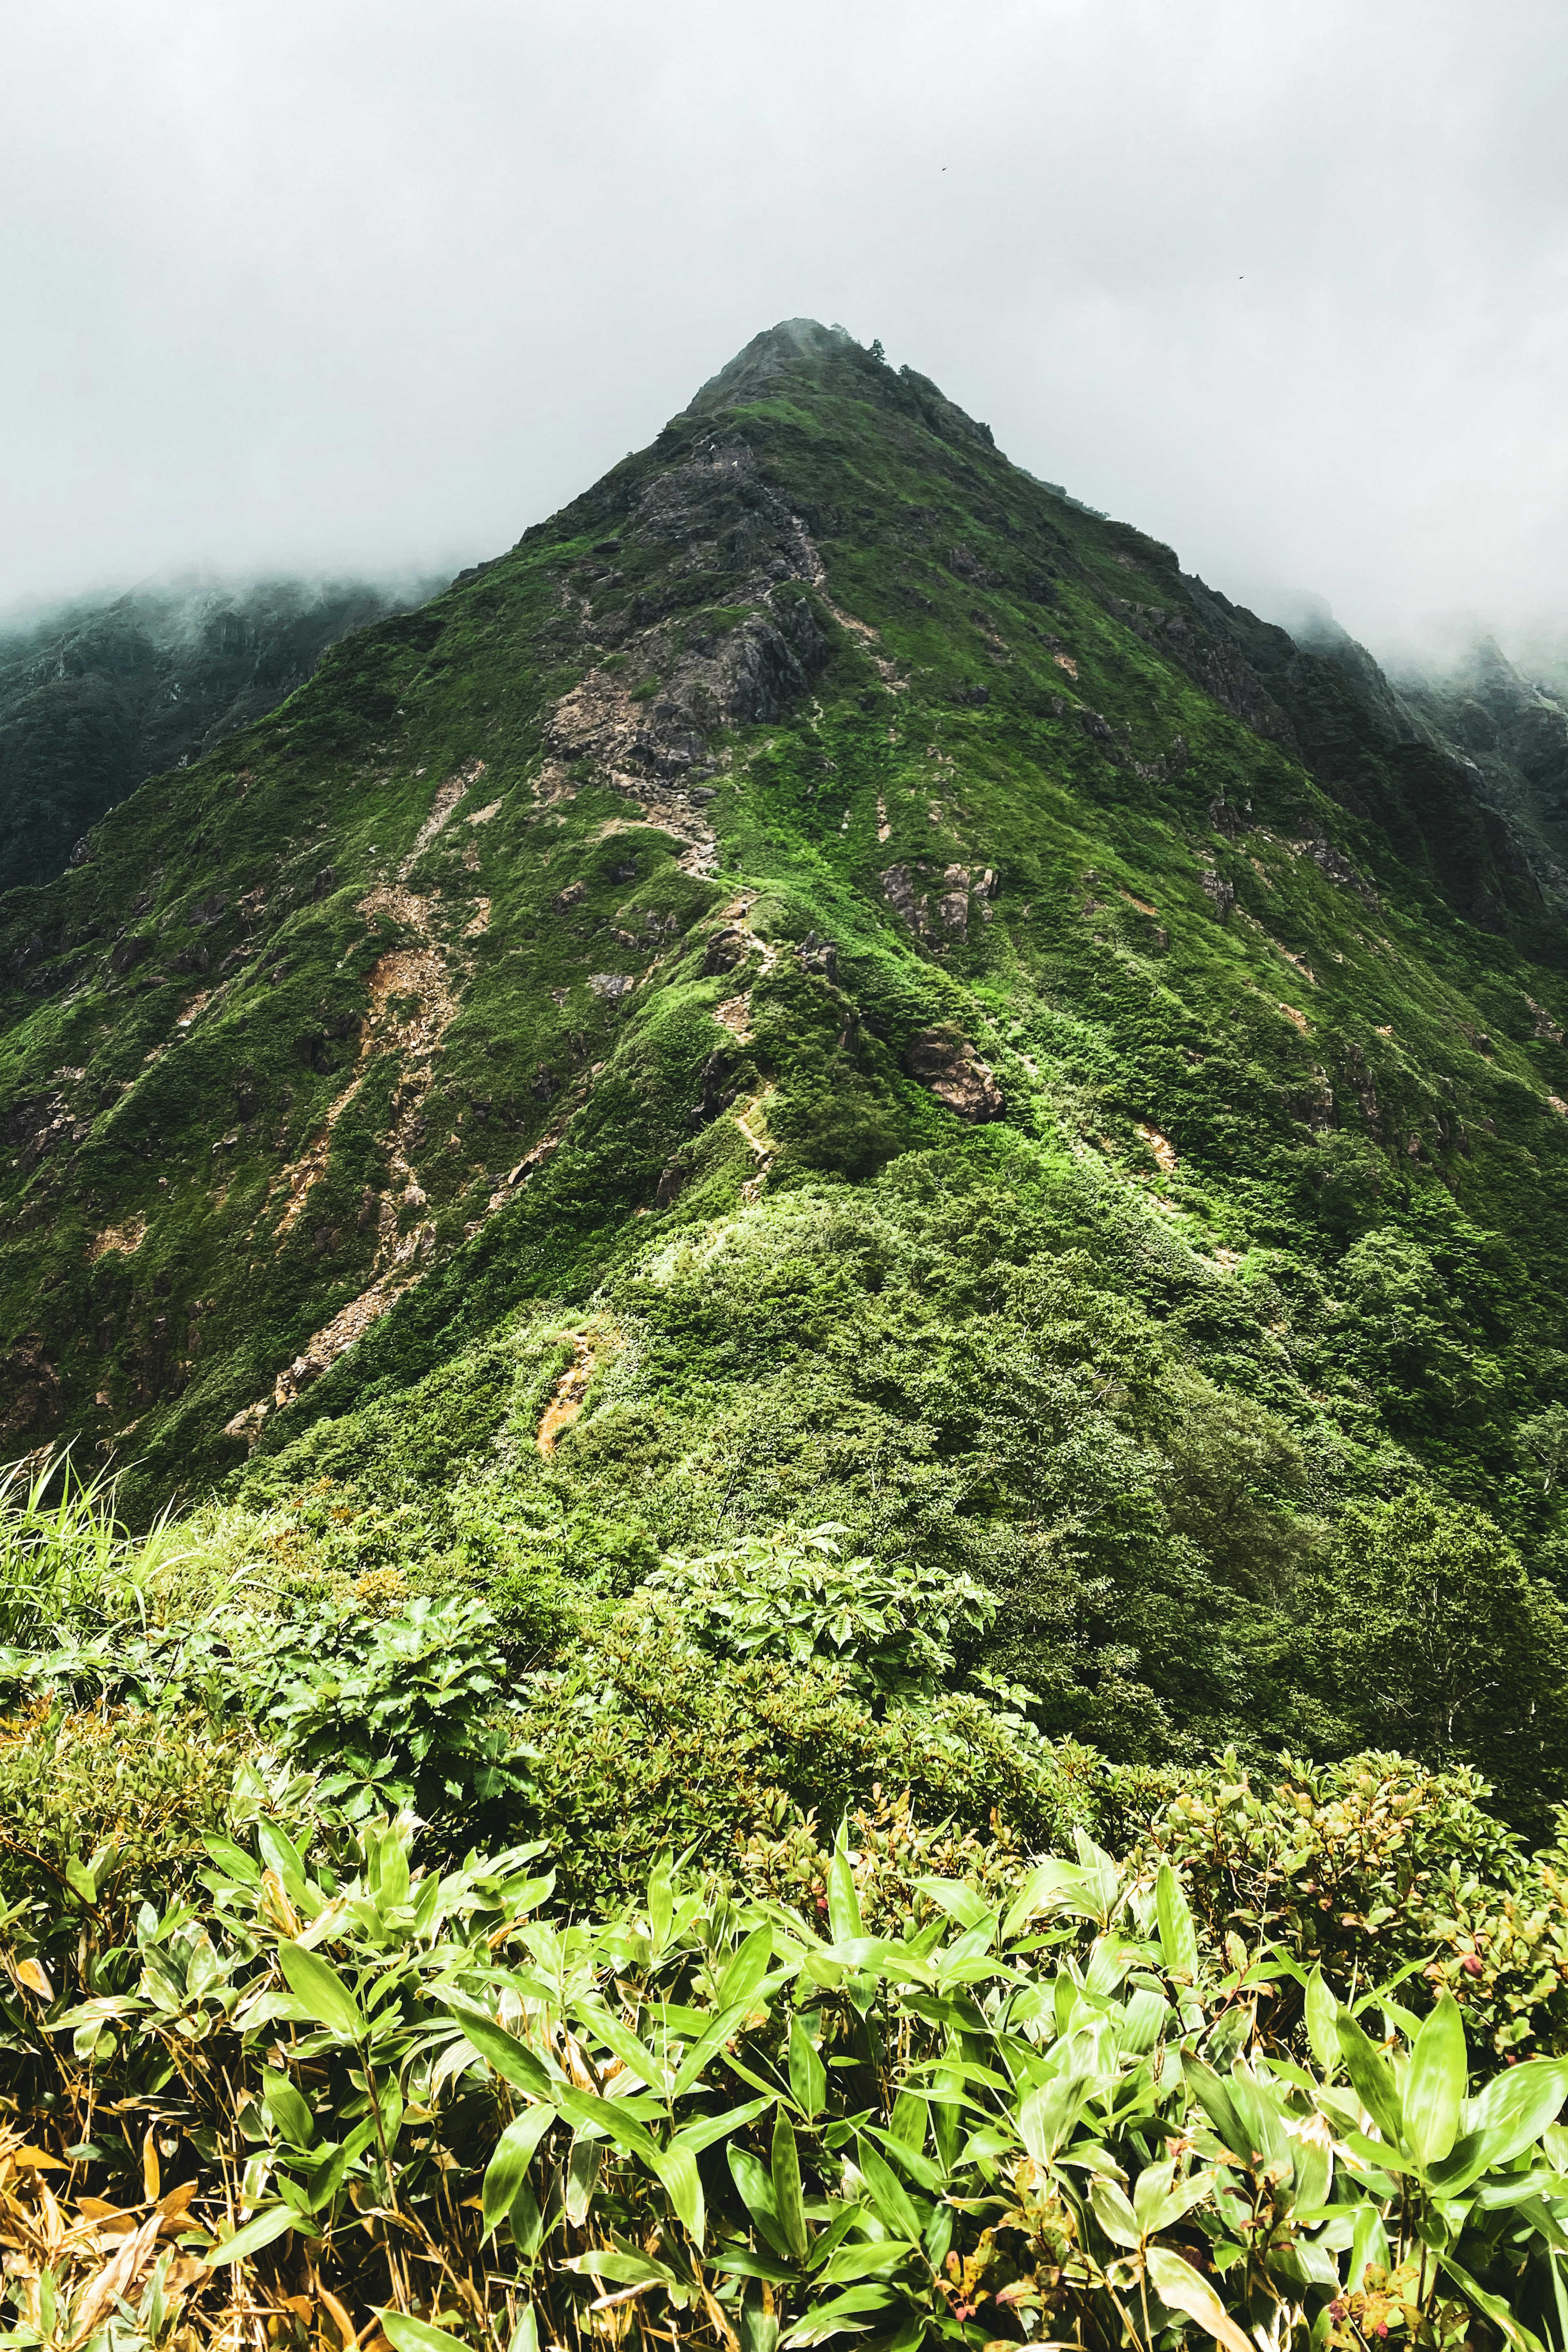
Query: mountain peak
x,y
758,366
814,360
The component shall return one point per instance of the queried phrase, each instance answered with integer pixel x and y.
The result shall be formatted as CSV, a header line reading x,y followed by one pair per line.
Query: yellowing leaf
x,y
1184,2289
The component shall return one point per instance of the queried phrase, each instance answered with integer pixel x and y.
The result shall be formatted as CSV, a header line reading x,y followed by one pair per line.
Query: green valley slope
x,y
835,984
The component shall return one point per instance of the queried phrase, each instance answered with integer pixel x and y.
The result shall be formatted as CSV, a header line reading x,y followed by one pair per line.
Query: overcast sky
x,y
332,283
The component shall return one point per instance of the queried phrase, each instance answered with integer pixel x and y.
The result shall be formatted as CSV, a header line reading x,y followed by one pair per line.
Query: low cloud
x,y
371,286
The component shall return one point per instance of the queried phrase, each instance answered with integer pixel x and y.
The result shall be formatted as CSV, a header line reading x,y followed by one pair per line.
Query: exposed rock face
x,y
900,893
645,717
947,1066
31,1387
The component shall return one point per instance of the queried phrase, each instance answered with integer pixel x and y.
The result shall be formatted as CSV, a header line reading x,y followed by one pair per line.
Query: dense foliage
x,y
896,2047
822,1231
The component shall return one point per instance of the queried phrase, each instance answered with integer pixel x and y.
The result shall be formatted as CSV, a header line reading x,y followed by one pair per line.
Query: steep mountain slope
x,y
1513,735
95,700
831,982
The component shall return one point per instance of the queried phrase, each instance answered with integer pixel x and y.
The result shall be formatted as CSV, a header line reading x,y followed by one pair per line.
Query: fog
x,y
370,285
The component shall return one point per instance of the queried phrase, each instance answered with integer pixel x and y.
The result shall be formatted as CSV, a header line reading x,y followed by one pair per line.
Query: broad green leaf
x,y
1258,2105
79,1879
843,1904
1183,2196
508,2168
317,1985
1372,2077
282,1857
407,2334
1369,2244
387,1875
1213,2096
756,2185
1142,2021
890,2198
842,2316
229,1857
290,2114
525,2334
722,2029
742,2262
683,2185
787,2197
1513,2333
907,2120
807,2074
627,2269
1501,2120
609,2119
1101,1877
914,2161
1047,2114
1150,2191
702,2132
849,2215
661,1903
866,2259
1044,1890
618,2038
258,2232
959,1901
511,2058
1322,2023
899,1964
1435,2086
1178,1936
1185,2290
323,2184
747,1968
1515,2108
1113,2214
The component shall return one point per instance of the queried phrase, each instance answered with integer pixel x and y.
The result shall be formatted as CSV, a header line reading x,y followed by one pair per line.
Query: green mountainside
x,y
97,698
1511,733
833,985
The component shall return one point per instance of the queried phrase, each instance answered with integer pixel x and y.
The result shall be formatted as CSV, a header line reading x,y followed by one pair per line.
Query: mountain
x,y
1512,735
833,984
96,698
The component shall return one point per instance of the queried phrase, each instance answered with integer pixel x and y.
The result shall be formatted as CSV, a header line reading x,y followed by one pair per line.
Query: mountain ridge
x,y
818,827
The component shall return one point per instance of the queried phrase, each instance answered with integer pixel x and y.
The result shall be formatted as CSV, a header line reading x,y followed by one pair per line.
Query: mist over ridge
x,y
96,694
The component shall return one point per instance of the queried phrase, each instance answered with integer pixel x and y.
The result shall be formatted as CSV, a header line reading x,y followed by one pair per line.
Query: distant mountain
x,y
1511,731
97,698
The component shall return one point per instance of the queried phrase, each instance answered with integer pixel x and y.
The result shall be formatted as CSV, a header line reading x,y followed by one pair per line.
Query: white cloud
x,y
378,282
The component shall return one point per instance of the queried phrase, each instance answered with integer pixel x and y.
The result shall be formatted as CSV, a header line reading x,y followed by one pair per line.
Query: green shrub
x,y
1038,2113
796,1598
644,1742
1366,1867
401,1707
123,1791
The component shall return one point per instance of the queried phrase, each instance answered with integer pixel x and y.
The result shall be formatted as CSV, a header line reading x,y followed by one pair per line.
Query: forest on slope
x,y
826,1149
97,698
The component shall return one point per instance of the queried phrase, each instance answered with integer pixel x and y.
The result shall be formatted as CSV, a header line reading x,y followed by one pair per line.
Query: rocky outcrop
x,y
947,1066
644,715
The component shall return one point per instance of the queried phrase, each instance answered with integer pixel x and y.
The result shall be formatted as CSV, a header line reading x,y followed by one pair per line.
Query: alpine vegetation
x,y
785,1350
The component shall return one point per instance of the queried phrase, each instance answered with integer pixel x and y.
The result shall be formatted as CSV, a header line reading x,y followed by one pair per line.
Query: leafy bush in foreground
x,y
351,2099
